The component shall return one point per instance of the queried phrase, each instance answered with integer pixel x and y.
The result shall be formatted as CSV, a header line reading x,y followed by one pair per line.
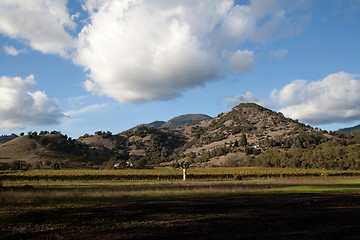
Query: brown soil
x,y
265,216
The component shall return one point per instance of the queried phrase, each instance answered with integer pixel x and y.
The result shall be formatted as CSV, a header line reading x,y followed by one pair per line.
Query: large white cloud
x,y
333,99
41,24
20,106
138,51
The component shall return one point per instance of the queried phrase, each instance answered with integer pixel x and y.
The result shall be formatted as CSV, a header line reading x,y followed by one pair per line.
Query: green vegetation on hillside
x,y
334,153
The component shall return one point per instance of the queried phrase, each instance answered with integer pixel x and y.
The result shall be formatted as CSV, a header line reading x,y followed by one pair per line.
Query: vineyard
x,y
79,204
170,174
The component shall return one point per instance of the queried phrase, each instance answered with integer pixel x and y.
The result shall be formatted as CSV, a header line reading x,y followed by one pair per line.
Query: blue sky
x,y
87,65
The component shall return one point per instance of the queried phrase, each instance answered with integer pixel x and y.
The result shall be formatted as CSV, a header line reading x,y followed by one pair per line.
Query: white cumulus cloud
x,y
20,106
333,99
136,51
41,24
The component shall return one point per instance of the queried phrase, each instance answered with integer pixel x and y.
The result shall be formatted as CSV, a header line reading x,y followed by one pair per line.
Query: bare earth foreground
x,y
248,216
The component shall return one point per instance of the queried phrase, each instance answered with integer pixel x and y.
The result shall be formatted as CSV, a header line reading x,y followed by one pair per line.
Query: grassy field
x,y
40,204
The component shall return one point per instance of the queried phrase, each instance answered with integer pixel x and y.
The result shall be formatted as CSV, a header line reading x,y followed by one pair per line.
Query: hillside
x,y
208,140
20,148
350,130
257,122
218,141
6,138
246,135
45,149
138,147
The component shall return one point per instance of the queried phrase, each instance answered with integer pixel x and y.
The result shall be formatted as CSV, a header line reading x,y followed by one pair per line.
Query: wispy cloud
x,y
10,50
84,110
281,53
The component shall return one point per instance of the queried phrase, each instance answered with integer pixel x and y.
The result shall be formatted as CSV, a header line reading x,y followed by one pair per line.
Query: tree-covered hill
x,y
218,139
139,147
46,148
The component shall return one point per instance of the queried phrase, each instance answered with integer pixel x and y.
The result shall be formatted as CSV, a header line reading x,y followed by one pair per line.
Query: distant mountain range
x,y
156,124
180,121
177,122
350,130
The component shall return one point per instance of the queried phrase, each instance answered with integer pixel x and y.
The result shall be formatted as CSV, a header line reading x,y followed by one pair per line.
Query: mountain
x,y
179,121
184,120
261,127
156,124
350,130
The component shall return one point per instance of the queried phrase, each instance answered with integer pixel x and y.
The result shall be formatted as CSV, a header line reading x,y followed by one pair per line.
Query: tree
x,y
29,134
243,140
140,163
248,150
99,133
55,166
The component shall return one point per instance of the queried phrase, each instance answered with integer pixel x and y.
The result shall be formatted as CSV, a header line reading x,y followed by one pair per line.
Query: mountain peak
x,y
186,119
